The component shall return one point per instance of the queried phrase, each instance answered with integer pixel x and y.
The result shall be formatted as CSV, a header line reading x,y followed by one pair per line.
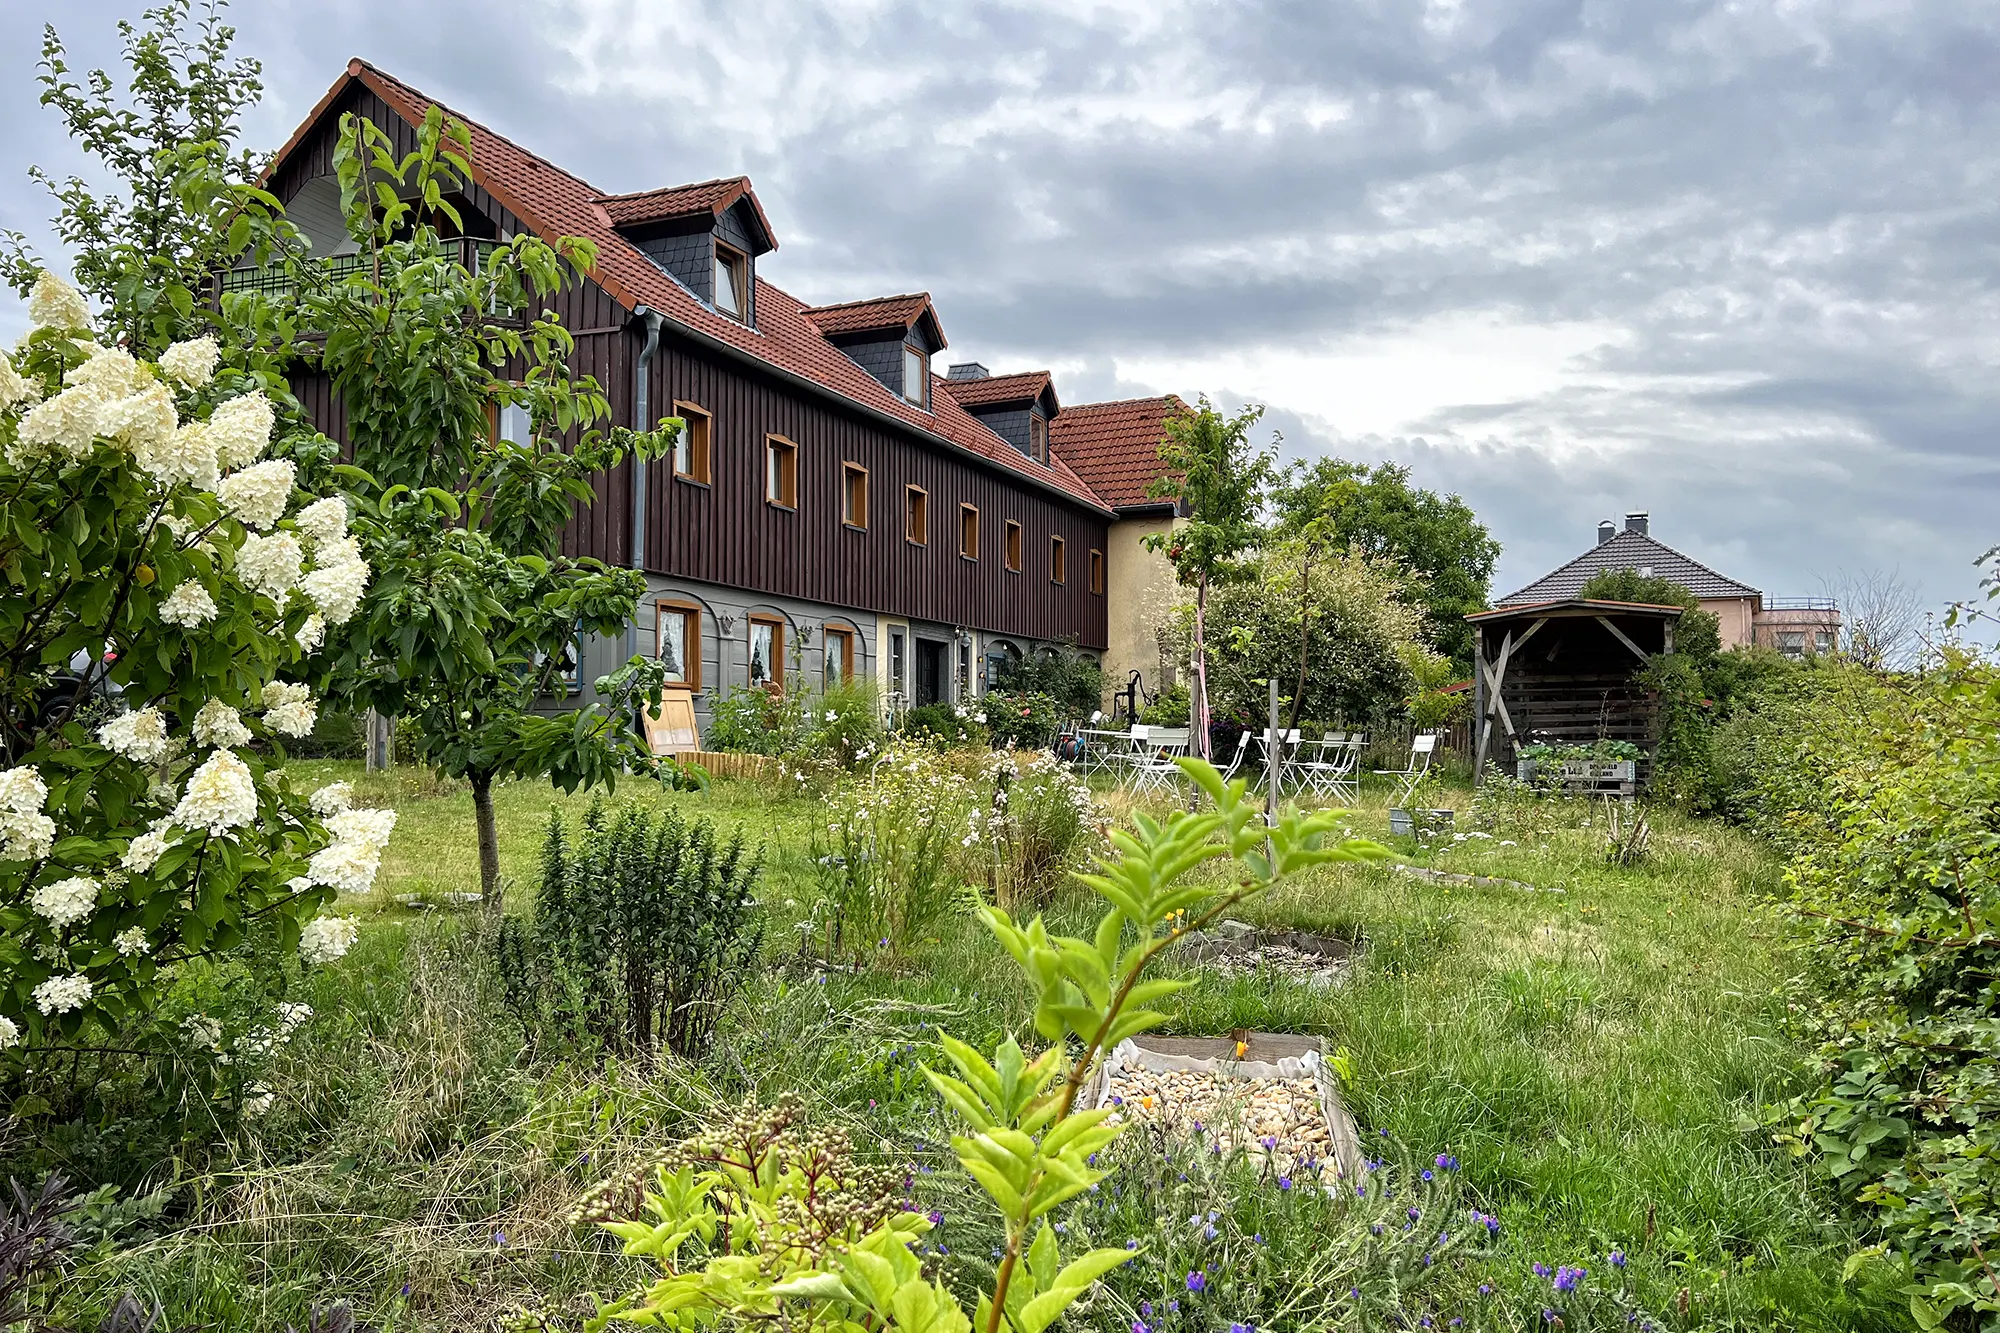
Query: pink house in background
x,y
1794,626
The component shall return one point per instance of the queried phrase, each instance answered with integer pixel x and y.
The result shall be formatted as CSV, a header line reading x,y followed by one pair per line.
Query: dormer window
x,y
1038,442
730,287
916,374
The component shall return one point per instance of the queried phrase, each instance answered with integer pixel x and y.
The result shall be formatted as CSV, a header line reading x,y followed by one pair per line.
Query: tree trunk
x,y
1198,714
489,841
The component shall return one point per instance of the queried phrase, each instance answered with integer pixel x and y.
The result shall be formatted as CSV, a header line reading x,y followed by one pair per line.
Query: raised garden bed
x,y
1405,823
1590,777
1239,949
1269,1094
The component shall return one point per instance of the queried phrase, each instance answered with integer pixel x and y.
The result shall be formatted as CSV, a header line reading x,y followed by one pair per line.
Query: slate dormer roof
x,y
1115,447
552,202
880,314
1025,386
1629,550
713,198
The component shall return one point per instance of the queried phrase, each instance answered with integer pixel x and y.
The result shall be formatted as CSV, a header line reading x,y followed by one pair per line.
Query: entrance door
x,y
930,672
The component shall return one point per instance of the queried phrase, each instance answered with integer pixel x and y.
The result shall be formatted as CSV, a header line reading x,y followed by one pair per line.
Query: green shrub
x,y
644,929
947,724
1025,721
1038,824
1171,707
843,725
754,719
1074,681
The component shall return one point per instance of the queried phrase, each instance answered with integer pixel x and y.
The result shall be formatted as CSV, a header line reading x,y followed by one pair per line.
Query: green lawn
x,y
1590,1051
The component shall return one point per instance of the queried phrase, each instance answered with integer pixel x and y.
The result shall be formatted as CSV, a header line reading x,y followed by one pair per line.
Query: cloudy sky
x,y
1731,263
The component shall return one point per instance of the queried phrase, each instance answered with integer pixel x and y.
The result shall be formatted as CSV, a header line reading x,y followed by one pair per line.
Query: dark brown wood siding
x,y
725,533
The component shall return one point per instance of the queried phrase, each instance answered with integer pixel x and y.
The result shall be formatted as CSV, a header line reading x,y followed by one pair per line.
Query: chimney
x,y
1639,523
967,370
1606,531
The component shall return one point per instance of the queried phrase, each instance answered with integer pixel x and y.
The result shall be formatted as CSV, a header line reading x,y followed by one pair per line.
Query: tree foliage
x,y
1437,538
1697,634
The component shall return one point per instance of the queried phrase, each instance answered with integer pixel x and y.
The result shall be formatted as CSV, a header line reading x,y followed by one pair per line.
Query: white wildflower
x,y
327,938
140,735
220,796
257,1099
59,995
188,605
130,942
323,522
65,902
191,364
14,388
331,799
145,851
10,1033
188,455
270,565
289,709
312,632
336,589
203,1031
219,726
240,429
292,1016
54,304
256,497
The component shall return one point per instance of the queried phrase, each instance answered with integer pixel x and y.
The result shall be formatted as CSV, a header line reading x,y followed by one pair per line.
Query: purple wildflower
x,y
937,1217
1566,1278
1198,1280
1446,1162
1618,1258
1284,1182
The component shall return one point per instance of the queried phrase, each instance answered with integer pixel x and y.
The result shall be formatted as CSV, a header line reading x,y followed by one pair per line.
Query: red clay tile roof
x,y
877,312
1115,447
679,201
1021,387
553,203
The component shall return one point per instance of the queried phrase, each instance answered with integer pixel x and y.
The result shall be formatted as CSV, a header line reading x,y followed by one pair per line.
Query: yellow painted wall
x,y
1140,592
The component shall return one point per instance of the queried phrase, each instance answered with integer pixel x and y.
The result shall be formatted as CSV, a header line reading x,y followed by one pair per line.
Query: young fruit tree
x,y
1220,480
165,586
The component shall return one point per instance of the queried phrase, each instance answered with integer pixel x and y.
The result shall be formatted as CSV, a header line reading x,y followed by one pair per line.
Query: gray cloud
x,y
1732,263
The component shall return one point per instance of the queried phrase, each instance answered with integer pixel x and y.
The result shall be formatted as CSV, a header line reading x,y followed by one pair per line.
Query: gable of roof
x,y
878,314
713,198
1115,447
1024,386
553,203
1629,550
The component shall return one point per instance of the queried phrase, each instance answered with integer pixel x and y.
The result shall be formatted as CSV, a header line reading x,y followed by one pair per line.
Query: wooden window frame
x,y
849,472
1058,559
1038,439
917,506
968,511
1012,550
846,636
777,624
690,613
739,267
1096,572
923,398
788,474
700,438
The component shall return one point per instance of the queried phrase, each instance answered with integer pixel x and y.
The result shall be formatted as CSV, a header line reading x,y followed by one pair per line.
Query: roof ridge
x,y
1629,539
867,300
447,108
673,189
1125,402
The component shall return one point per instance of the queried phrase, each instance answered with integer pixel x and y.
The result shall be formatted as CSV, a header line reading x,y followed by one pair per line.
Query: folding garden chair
x,y
1154,769
1413,772
1327,769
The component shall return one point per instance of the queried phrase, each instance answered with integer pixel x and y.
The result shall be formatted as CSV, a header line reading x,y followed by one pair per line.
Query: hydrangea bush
x,y
159,584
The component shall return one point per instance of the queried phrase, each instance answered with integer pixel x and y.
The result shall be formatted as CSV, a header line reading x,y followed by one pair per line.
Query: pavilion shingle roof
x,y
1022,387
552,203
1115,447
1629,550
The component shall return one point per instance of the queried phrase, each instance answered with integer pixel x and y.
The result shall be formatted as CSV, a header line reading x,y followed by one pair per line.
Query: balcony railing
x,y
1801,604
272,280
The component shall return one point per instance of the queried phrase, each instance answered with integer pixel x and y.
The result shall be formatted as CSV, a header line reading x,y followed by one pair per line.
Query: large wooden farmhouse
x,y
837,508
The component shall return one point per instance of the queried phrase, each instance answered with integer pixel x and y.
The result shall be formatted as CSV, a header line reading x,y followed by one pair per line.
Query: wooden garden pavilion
x,y
1565,673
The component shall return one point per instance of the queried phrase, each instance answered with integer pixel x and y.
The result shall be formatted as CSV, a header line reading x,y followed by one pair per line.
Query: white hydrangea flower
x,y
145,851
191,364
65,902
240,429
256,497
112,370
203,1031
60,995
144,421
312,632
10,1033
270,565
365,828
54,304
139,735
345,867
188,455
220,796
331,799
327,938
14,387
188,605
131,942
289,709
22,790
26,834
65,425
336,589
293,1015
323,522
257,1099
219,726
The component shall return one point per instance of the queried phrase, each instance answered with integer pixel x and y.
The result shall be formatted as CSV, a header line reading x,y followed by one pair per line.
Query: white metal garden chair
x,y
1421,750
1328,769
1154,768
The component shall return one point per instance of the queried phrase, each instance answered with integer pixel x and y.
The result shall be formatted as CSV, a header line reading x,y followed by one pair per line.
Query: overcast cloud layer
x,y
1731,263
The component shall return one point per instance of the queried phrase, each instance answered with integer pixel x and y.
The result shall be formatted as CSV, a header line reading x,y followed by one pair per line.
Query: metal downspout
x,y
641,420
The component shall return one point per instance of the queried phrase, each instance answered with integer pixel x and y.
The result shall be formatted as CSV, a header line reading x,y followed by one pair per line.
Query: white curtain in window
x,y
760,652
673,644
